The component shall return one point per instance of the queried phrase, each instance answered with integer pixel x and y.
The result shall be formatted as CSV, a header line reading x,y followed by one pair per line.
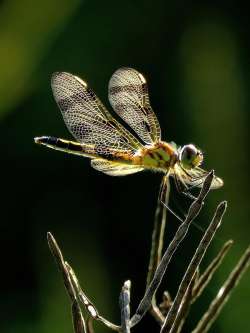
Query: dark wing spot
x,y
66,104
126,87
146,125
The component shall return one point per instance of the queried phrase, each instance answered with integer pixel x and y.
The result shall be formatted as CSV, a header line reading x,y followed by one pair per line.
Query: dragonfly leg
x,y
188,195
187,191
182,189
163,189
163,195
172,212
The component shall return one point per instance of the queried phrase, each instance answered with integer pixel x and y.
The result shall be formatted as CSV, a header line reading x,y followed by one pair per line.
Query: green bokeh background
x,y
195,56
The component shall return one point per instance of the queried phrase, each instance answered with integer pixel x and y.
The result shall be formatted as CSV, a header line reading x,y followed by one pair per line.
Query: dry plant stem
x,y
174,244
157,245
224,293
201,283
156,312
74,290
125,307
186,303
55,250
89,306
211,269
169,323
158,234
77,317
89,325
166,303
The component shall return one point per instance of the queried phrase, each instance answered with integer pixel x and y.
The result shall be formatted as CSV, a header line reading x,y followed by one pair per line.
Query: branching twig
x,y
169,324
189,289
89,306
75,292
179,236
77,317
223,295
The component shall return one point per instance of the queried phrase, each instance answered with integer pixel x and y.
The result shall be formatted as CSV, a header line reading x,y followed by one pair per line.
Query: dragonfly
x,y
110,146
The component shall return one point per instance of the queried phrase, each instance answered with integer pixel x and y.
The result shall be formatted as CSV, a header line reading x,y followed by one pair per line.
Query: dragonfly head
x,y
190,156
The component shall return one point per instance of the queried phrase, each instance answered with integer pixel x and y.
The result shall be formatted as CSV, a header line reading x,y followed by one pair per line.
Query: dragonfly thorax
x,y
160,156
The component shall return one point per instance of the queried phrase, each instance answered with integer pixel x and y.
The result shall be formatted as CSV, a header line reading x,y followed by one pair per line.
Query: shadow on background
x,y
195,58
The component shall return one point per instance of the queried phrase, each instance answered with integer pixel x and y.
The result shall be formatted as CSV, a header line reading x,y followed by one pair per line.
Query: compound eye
x,y
190,156
189,152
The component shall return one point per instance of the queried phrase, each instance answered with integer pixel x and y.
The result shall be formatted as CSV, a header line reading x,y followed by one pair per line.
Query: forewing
x,y
114,168
195,177
87,119
128,95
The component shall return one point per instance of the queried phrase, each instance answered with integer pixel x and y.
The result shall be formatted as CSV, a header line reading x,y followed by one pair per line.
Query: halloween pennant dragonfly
x,y
112,148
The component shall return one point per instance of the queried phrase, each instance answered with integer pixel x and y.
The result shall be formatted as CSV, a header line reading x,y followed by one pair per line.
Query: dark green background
x,y
195,56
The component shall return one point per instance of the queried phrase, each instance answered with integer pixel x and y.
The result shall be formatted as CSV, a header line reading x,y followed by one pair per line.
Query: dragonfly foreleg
x,y
187,191
163,194
181,188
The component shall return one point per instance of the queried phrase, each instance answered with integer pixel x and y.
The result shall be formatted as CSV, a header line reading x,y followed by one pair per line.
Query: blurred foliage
x,y
27,31
195,58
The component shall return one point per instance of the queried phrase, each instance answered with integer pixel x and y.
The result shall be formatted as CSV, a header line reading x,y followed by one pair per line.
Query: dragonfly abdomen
x,y
83,149
64,145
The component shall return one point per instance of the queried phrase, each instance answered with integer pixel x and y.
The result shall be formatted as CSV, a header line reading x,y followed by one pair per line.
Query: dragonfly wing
x,y
128,95
195,177
114,168
87,119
